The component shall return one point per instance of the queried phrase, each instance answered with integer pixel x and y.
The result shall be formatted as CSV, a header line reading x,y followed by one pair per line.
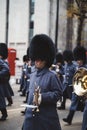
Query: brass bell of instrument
x,y
80,82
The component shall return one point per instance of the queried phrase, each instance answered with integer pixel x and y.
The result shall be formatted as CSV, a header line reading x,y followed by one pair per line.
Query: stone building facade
x,y
29,17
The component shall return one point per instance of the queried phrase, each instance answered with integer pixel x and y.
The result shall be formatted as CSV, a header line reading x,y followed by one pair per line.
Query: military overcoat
x,y
51,90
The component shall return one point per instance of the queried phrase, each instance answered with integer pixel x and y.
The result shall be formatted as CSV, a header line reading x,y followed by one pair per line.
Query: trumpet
x,y
36,96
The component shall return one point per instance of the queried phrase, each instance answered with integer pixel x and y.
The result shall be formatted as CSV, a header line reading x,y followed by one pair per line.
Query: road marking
x,y
16,109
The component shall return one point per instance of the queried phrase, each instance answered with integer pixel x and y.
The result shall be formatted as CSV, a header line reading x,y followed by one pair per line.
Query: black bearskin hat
x,y
25,58
28,52
59,57
68,55
42,47
80,53
3,50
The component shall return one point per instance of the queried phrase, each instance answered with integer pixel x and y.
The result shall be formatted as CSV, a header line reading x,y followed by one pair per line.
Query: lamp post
x,y
56,27
7,21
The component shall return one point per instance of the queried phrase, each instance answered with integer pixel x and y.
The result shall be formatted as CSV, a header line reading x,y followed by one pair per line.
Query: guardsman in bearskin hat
x,y
80,57
3,72
45,89
60,66
23,76
59,69
69,70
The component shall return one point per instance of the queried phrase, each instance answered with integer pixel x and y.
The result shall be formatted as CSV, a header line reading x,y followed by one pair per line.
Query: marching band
x,y
47,77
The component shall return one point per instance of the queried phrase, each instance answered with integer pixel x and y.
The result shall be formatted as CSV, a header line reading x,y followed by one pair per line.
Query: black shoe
x,y
22,95
61,108
23,112
19,90
3,118
9,104
67,121
25,101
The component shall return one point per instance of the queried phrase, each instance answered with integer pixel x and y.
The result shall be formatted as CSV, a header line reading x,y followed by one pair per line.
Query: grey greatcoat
x,y
51,91
8,91
4,70
75,98
84,122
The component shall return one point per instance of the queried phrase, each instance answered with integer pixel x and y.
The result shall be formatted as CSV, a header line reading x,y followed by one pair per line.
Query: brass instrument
x,y
36,96
80,82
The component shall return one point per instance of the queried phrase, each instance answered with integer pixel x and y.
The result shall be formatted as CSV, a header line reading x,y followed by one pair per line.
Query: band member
x,y
45,89
60,66
4,77
69,70
80,53
23,76
84,122
27,78
8,89
80,58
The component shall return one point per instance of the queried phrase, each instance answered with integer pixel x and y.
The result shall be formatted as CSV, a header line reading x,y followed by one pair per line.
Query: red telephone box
x,y
11,60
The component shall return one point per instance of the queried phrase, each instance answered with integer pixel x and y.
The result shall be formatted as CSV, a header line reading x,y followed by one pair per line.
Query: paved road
x,y
15,118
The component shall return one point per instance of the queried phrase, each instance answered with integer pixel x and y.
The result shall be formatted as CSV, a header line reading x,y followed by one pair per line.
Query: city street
x,y
37,36
15,118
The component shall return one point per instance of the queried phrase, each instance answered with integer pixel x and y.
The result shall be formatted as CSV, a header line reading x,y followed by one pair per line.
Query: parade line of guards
x,y
50,75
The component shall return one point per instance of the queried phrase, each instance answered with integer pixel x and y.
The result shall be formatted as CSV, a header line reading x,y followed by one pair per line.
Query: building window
x,y
31,27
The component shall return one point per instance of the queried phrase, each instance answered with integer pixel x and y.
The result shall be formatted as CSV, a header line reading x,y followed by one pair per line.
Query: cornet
x,y
36,96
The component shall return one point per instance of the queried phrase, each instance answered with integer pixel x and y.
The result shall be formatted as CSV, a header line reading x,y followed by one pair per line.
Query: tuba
x,y
80,82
